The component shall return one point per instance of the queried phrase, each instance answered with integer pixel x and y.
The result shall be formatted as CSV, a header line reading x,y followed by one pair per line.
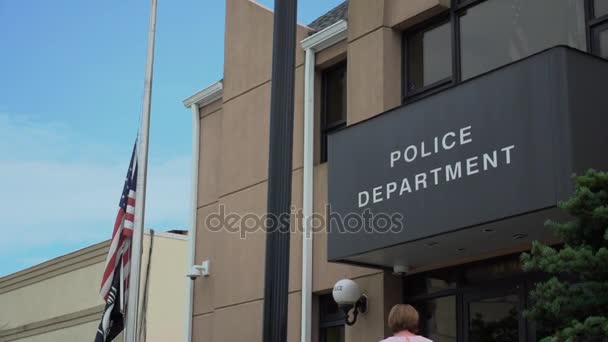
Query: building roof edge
x,y
205,96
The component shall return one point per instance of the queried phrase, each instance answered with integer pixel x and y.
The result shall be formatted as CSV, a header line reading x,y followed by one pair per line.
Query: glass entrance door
x,y
477,302
494,316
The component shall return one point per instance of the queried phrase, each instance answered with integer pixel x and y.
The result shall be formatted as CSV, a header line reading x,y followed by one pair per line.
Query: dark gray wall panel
x,y
549,106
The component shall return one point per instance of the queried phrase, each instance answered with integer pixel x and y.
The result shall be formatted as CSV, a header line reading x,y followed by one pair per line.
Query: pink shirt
x,y
406,336
414,338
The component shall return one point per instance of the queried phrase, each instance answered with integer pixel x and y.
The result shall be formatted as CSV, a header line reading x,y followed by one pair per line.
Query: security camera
x,y
199,270
195,272
348,296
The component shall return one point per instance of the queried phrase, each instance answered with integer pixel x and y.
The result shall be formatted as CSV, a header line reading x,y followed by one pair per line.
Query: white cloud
x,y
48,199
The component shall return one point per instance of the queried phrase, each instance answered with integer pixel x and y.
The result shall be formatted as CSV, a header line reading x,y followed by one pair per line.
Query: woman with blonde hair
x,y
403,321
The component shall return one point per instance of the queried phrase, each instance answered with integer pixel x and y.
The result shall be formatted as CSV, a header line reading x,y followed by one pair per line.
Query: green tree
x,y
573,304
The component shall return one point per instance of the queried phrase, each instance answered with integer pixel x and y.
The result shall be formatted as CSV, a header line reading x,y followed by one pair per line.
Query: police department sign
x,y
446,142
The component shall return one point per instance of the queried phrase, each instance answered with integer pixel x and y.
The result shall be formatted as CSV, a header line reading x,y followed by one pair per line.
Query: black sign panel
x,y
497,146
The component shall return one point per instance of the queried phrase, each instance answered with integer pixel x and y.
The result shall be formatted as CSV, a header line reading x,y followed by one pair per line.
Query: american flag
x,y
115,279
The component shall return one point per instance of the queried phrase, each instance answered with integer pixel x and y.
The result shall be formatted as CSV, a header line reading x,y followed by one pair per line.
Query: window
x,y
598,26
438,319
600,8
497,32
331,320
429,56
333,112
432,282
476,36
494,318
602,42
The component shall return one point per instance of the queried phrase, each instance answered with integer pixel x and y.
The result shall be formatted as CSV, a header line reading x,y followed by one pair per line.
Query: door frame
x,y
521,283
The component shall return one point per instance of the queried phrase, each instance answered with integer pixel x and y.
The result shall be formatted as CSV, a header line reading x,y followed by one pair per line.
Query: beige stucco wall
x,y
52,297
403,14
166,293
234,164
366,16
74,333
233,175
59,299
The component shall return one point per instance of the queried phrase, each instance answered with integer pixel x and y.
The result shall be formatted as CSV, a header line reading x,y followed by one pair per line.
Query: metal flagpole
x,y
140,200
276,277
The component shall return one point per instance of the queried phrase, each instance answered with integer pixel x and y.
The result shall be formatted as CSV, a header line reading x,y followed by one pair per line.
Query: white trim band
x,y
204,97
327,37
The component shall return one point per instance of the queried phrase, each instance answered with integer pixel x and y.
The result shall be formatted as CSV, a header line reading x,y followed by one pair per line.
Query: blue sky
x,y
71,85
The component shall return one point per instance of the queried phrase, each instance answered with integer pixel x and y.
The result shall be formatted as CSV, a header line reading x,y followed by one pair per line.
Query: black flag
x,y
112,319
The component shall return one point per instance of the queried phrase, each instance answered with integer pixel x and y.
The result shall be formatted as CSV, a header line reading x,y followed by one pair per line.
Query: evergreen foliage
x,y
573,304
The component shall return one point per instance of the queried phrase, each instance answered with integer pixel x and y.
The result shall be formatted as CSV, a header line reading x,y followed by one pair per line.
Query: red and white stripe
x,y
120,247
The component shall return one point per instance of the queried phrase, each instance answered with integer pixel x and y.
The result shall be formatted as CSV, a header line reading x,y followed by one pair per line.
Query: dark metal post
x,y
279,172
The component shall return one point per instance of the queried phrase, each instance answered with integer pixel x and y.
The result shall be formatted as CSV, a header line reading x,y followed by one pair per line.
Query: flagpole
x,y
131,326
